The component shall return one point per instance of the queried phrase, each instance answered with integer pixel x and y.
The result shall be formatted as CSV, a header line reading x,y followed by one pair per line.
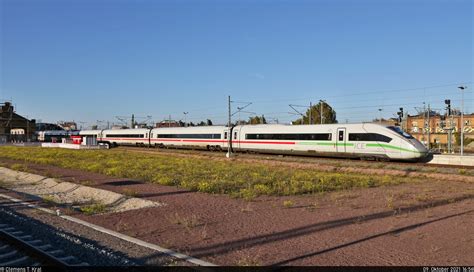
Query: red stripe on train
x,y
200,141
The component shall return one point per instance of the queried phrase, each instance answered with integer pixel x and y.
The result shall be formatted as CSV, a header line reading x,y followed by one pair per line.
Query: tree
x,y
329,115
254,120
209,122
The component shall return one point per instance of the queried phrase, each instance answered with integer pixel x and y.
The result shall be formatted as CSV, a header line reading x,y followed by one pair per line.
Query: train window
x,y
298,137
225,135
341,135
235,135
126,136
369,137
190,136
401,132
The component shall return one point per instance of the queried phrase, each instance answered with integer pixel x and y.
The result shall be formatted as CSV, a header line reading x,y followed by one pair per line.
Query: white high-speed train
x,y
365,140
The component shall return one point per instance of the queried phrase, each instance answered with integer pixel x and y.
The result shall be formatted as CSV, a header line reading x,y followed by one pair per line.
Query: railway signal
x,y
400,115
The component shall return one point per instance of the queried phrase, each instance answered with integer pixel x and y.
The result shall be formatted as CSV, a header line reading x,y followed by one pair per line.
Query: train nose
x,y
420,147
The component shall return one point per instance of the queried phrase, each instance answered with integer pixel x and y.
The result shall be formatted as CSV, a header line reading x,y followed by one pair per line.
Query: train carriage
x,y
365,140
137,137
210,137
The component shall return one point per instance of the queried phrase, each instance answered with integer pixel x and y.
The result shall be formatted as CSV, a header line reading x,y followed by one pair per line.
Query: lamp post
x,y
462,88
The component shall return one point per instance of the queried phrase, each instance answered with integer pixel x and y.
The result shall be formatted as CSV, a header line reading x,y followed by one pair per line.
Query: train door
x,y
235,139
225,144
341,140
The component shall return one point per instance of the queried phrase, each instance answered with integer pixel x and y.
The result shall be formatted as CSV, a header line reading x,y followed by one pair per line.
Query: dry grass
x,y
288,204
187,222
239,179
129,192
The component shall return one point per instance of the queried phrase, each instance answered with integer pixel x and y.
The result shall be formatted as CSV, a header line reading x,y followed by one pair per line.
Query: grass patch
x,y
288,204
238,179
19,167
93,209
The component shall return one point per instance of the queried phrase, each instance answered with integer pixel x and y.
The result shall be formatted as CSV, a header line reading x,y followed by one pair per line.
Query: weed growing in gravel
x,y
49,199
288,203
129,192
238,179
204,234
248,261
187,222
93,209
390,201
462,171
423,197
313,207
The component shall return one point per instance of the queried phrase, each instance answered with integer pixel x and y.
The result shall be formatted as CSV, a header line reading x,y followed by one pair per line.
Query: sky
x,y
87,60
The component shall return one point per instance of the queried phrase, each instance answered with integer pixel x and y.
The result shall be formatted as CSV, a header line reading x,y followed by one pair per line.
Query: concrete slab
x,y
466,160
69,193
71,146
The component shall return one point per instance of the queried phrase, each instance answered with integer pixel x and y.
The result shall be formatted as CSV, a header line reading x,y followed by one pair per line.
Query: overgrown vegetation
x,y
93,209
238,179
49,199
19,167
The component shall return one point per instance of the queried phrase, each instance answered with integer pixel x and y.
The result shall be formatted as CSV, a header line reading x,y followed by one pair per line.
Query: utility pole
x,y
462,88
424,122
169,120
27,128
321,102
133,121
429,127
229,136
185,113
380,115
450,128
239,109
310,113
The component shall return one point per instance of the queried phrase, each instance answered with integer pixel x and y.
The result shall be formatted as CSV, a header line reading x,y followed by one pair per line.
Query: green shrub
x,y
93,209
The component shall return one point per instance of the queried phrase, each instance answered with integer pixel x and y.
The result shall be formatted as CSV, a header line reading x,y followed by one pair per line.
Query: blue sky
x,y
92,60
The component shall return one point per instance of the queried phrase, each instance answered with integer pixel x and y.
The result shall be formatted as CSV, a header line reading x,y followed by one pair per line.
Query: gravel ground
x,y
425,221
88,245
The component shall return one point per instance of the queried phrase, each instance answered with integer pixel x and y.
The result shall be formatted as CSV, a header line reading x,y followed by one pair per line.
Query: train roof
x,y
196,129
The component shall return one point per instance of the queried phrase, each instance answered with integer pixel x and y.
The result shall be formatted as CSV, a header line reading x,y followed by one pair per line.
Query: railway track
x,y
19,249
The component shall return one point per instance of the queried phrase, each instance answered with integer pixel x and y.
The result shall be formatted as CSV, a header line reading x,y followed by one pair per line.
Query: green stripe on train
x,y
392,147
368,145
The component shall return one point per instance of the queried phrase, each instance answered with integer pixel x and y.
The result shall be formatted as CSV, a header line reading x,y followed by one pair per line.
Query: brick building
x,y
14,127
438,127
